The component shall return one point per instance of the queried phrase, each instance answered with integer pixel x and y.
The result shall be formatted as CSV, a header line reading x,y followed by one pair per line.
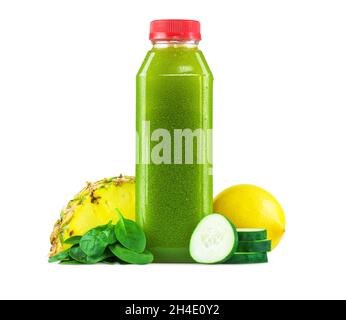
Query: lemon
x,y
249,206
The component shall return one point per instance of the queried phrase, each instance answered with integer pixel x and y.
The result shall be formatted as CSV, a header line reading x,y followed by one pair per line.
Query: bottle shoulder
x,y
174,61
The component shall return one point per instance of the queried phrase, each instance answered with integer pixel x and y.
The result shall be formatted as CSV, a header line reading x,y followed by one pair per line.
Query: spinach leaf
x,y
73,240
111,260
129,256
77,254
70,262
60,256
95,242
130,235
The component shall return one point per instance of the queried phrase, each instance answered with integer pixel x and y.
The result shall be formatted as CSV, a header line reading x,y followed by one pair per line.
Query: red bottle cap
x,y
175,30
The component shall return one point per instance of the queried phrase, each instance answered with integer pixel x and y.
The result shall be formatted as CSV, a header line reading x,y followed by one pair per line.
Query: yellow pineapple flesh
x,y
94,206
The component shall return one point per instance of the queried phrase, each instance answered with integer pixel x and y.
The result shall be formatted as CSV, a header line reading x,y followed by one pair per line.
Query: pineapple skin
x,y
94,206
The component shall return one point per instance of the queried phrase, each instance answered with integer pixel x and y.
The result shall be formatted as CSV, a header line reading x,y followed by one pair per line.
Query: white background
x,y
67,101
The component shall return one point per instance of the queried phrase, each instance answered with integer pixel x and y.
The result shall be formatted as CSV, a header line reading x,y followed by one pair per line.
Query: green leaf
x,y
129,256
60,256
77,254
70,262
95,242
111,260
73,240
130,235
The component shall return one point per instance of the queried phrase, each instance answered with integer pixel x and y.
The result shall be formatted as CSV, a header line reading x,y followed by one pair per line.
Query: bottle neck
x,y
161,44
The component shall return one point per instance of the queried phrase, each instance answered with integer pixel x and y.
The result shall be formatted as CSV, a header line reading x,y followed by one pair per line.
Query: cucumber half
x,y
254,246
247,234
248,258
214,240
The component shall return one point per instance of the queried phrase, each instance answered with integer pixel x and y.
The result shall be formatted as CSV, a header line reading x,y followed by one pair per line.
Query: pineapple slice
x,y
95,205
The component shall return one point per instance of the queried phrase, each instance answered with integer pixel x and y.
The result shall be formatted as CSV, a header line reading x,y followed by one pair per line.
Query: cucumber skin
x,y
248,258
235,245
254,246
252,236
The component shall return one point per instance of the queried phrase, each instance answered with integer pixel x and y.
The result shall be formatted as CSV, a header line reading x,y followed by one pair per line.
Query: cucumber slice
x,y
248,258
254,246
214,240
247,234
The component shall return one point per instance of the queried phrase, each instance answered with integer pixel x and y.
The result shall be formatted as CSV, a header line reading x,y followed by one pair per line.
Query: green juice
x,y
174,147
